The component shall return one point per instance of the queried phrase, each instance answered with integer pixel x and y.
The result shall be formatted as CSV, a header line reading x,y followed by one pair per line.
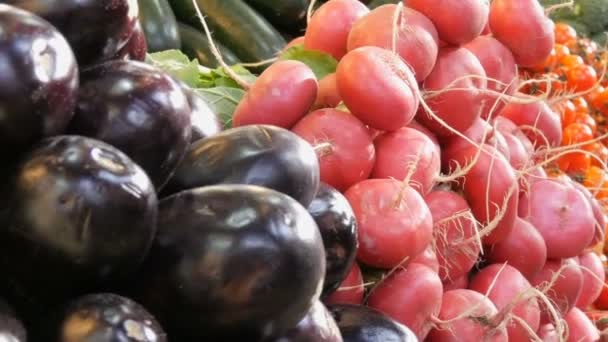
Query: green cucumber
x,y
159,24
236,25
287,15
196,45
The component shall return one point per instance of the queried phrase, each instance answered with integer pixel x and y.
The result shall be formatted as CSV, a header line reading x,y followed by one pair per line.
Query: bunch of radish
x,y
423,130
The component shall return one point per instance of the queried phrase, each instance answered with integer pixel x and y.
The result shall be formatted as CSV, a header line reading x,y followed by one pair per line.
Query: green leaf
x,y
223,101
176,64
220,78
319,62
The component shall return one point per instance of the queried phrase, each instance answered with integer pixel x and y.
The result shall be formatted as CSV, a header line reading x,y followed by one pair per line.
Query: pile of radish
x,y
441,158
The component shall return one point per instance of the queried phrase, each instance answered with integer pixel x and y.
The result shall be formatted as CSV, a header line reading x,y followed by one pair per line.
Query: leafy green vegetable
x,y
176,64
319,62
219,78
223,101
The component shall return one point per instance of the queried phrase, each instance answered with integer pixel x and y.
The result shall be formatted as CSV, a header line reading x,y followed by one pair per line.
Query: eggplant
x,y
205,122
360,323
83,215
107,317
232,263
136,48
317,326
95,29
263,155
38,81
159,24
11,328
338,225
140,110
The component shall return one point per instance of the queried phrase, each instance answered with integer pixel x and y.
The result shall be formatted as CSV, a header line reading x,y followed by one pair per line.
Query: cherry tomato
x,y
596,181
599,100
568,113
581,77
564,33
576,133
570,61
574,162
580,104
586,119
600,151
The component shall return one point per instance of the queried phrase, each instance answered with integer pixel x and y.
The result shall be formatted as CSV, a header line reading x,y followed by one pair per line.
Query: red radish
x,y
351,289
563,288
491,189
499,64
523,27
328,96
294,42
454,232
468,315
417,126
417,41
580,327
505,285
499,142
460,283
427,258
594,277
537,120
457,21
280,96
392,101
394,222
345,150
506,126
524,249
547,333
519,156
407,151
562,216
329,26
457,108
479,132
410,296
598,213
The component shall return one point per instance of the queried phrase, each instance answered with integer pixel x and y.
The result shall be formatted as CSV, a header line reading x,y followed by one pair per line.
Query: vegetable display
x,y
303,171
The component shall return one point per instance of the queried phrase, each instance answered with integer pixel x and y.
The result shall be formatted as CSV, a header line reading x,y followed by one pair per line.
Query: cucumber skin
x,y
159,25
287,15
236,25
196,45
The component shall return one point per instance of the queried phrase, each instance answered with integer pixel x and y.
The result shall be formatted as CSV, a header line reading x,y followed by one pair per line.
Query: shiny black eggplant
x,y
136,48
205,122
38,81
360,323
140,110
83,215
11,328
159,24
107,317
317,326
232,263
95,29
338,226
263,155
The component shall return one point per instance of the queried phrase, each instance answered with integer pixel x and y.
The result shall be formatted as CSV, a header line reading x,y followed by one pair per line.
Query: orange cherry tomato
x,y
599,100
570,61
586,119
596,181
580,104
581,77
564,33
574,162
567,111
599,151
576,133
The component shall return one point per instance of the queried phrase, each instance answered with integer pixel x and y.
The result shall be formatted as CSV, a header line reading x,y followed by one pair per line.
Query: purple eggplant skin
x,y
360,323
263,155
107,317
338,225
95,29
82,216
136,48
317,326
232,263
205,122
38,81
140,110
11,328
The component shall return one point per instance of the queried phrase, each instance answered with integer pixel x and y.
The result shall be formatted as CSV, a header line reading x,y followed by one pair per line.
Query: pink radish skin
x,y
455,256
454,29
394,222
400,152
427,258
294,42
328,96
454,303
499,64
457,108
561,214
351,289
580,327
547,333
538,121
417,40
281,96
410,296
524,249
417,126
565,290
506,126
598,214
489,186
509,284
594,277
330,25
393,100
460,283
350,156
452,145
529,34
